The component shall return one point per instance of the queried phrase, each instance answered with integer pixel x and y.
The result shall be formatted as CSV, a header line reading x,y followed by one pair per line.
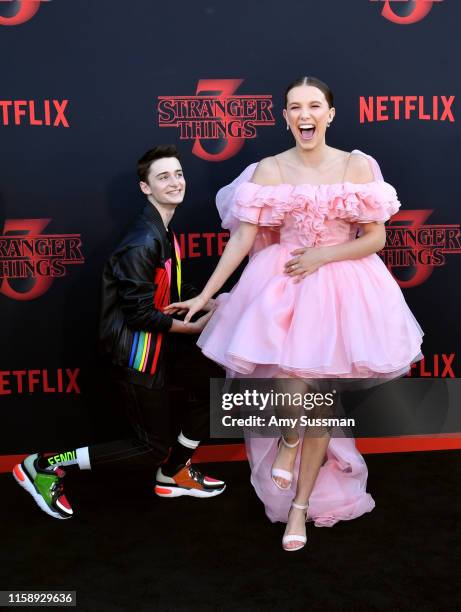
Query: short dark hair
x,y
314,82
158,152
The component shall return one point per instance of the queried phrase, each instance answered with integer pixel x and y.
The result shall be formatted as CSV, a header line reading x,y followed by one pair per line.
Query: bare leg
x,y
312,456
286,455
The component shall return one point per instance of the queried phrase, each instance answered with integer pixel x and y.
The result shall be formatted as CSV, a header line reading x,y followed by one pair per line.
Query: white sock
x,y
83,458
187,442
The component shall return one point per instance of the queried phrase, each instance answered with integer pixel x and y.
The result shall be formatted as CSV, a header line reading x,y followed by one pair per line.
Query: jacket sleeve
x,y
136,288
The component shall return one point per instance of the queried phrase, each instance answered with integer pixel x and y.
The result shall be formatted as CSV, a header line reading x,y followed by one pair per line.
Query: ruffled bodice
x,y
315,215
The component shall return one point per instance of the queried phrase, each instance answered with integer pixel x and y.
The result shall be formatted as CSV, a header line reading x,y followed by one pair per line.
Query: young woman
x,y
314,301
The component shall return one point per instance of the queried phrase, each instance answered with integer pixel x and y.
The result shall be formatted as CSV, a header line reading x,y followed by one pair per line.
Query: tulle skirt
x,y
348,319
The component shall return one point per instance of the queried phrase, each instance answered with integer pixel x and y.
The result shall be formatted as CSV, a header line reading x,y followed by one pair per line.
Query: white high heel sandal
x,y
279,473
293,537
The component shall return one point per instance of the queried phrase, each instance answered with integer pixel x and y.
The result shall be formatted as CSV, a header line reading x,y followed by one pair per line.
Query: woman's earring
x,y
288,126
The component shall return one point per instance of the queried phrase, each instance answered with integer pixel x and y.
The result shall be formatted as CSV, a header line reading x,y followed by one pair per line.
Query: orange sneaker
x,y
188,481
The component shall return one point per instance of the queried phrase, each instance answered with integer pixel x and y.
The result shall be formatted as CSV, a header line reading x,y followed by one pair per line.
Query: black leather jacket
x,y
139,279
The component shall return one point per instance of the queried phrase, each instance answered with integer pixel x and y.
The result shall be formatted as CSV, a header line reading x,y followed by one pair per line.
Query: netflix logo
x,y
406,108
439,365
205,244
49,113
19,382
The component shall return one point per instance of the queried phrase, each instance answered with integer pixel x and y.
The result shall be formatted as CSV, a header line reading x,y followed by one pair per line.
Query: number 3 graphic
x,y
27,9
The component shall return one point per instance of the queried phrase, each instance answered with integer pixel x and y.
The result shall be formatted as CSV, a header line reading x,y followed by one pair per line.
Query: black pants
x,y
156,416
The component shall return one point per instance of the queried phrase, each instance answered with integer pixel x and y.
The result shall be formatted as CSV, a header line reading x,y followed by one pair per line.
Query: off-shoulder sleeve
x,y
226,196
234,202
367,202
364,203
263,205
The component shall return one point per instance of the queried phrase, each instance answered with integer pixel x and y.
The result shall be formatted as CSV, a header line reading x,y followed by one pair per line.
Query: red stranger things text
x,y
412,244
216,113
235,116
38,256
16,382
426,245
26,253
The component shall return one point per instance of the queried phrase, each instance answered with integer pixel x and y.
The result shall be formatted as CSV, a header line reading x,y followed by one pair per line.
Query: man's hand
x,y
195,327
199,325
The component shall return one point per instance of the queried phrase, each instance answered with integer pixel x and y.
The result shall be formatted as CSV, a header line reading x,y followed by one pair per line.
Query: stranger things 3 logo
x,y
414,249
30,261
216,115
406,12
17,12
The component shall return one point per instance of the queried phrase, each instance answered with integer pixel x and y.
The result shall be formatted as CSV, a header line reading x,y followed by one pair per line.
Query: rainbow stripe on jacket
x,y
141,353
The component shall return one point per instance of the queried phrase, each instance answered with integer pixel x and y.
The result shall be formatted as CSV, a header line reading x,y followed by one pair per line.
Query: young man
x,y
141,277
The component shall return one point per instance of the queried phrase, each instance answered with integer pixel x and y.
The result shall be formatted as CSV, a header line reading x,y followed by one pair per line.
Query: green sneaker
x,y
45,486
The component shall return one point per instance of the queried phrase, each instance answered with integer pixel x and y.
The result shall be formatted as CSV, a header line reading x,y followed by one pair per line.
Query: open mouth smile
x,y
307,131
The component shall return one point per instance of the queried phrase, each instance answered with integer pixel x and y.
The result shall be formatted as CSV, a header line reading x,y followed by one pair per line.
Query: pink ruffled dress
x,y
348,319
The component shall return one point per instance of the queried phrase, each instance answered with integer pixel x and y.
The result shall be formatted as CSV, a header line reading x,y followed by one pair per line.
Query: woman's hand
x,y
210,306
306,261
182,307
309,259
190,306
